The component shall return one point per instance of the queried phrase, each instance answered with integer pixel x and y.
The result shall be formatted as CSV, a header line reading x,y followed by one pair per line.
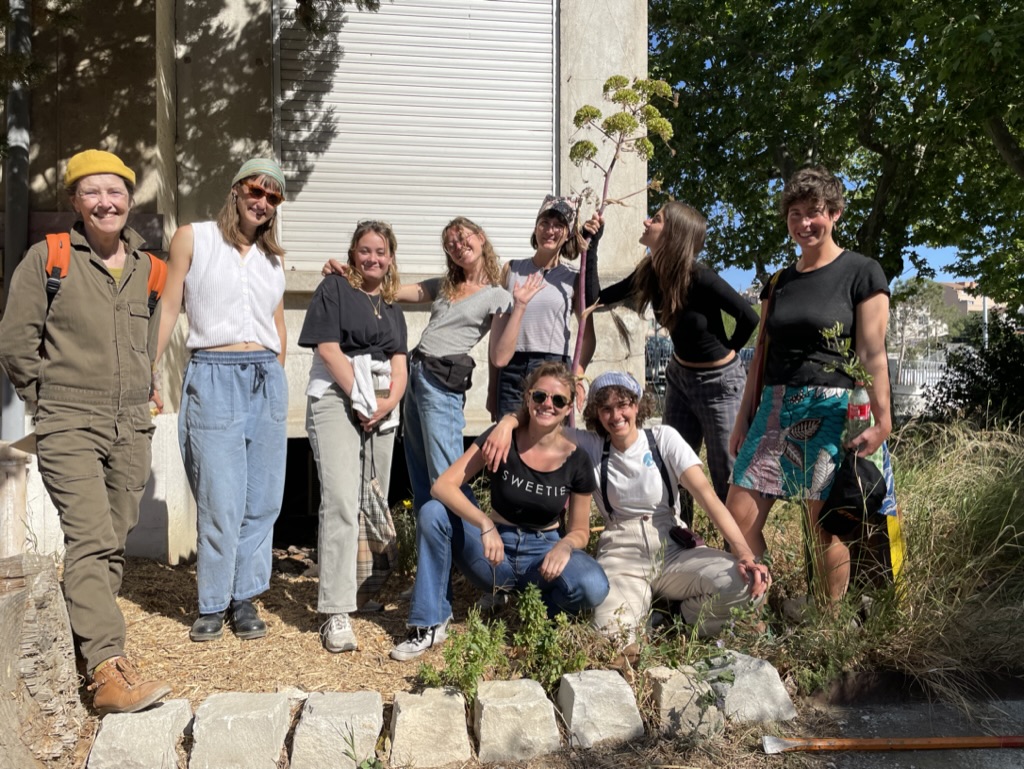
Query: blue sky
x,y
940,259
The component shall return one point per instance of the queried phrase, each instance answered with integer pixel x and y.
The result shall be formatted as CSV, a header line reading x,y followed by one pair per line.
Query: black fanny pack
x,y
454,372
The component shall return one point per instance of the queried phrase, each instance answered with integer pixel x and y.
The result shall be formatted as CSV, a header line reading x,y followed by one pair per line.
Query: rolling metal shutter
x,y
425,110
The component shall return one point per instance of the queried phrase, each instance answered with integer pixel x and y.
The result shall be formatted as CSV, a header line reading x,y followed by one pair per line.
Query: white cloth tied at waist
x,y
371,376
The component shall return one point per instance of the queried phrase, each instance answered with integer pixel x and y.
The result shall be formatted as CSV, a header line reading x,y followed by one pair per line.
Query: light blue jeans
x,y
441,537
233,436
434,421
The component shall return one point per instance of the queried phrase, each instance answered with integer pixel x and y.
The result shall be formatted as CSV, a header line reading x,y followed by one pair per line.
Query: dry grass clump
x,y
964,603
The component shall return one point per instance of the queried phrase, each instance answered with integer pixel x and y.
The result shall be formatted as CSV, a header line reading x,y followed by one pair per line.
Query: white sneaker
x,y
420,639
337,634
492,602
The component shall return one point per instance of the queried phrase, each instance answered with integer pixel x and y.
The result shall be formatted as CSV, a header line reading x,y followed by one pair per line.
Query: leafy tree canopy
x,y
917,104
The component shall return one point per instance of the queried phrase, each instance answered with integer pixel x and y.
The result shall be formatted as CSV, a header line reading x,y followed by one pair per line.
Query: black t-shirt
x,y
806,303
698,334
533,499
343,314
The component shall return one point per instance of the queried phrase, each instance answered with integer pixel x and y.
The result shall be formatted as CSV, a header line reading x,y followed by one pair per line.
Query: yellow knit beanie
x,y
96,162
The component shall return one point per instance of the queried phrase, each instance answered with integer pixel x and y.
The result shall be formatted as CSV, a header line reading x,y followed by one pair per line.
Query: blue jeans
x,y
512,378
434,421
232,431
442,536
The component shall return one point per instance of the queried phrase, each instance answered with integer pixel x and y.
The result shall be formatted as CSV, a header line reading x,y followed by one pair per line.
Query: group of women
x,y
94,427
765,425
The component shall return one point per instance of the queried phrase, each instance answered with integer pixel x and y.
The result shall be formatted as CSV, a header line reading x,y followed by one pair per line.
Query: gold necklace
x,y
375,307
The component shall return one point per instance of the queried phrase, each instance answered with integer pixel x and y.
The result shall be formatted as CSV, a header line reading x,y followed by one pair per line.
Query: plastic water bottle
x,y
858,411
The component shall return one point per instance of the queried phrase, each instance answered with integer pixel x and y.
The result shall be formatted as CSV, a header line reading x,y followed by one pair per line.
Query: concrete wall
x,y
97,91
601,38
224,88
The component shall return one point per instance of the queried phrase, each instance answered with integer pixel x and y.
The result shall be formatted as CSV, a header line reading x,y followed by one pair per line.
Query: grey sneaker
x,y
492,602
337,634
420,639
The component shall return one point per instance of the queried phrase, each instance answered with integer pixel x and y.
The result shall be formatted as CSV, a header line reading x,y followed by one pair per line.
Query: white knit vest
x,y
229,298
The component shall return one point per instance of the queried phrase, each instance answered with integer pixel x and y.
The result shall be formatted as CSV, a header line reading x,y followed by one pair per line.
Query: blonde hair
x,y
228,219
456,276
391,283
668,269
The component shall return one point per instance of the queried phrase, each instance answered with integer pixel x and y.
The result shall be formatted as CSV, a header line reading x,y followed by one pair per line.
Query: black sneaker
x,y
209,627
420,639
246,622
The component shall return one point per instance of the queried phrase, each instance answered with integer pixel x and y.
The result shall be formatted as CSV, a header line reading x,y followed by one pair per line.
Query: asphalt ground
x,y
924,719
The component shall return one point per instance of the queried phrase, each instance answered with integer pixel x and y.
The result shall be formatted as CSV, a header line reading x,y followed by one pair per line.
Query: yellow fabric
x,y
896,545
116,273
96,162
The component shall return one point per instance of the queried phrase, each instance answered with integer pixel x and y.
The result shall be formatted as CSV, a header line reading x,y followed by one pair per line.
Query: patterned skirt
x,y
793,447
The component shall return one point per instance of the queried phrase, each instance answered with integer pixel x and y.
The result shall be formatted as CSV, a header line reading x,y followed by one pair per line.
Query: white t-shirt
x,y
635,486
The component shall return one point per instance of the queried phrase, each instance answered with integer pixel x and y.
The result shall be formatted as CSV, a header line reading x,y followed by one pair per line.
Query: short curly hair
x,y
816,184
601,398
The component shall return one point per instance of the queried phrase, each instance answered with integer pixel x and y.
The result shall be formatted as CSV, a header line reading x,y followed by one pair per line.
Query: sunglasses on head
x,y
557,400
256,192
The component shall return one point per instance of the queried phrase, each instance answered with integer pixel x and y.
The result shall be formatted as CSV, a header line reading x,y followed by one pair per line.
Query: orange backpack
x,y
58,261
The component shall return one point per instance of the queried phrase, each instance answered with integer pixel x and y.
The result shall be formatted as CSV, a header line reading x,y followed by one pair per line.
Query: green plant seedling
x,y
851,364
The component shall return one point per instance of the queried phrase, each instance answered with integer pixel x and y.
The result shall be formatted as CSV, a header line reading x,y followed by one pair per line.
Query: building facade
x,y
416,113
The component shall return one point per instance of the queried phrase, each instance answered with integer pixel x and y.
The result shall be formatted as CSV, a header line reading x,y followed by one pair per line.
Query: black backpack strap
x,y
656,454
604,477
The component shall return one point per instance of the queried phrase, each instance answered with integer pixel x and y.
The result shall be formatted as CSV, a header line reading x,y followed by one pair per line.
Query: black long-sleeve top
x,y
698,335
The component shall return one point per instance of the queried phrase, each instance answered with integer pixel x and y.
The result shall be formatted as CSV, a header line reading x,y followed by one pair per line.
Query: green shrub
x,y
474,653
547,649
982,384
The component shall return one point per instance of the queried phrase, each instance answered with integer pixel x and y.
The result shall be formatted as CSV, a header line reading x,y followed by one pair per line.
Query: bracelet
x,y
486,531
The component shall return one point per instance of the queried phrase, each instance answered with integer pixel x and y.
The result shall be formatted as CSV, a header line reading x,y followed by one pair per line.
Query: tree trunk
x,y
41,715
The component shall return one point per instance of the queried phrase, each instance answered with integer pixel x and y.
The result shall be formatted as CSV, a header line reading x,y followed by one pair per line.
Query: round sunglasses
x,y
558,400
256,192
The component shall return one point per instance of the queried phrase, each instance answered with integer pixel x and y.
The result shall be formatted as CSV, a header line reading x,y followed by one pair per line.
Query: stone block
x,y
599,707
514,721
335,727
685,703
750,689
429,729
240,731
145,740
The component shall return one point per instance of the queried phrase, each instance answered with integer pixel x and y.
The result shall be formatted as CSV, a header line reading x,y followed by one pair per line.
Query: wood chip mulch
x,y
159,605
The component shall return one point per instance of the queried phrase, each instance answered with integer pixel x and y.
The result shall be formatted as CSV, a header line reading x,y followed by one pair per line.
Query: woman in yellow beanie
x,y
84,355
234,399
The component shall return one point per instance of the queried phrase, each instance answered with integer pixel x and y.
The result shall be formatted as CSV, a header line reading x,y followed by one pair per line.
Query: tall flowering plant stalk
x,y
627,130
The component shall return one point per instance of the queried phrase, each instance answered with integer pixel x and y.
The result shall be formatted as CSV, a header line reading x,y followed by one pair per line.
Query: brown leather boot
x,y
118,689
